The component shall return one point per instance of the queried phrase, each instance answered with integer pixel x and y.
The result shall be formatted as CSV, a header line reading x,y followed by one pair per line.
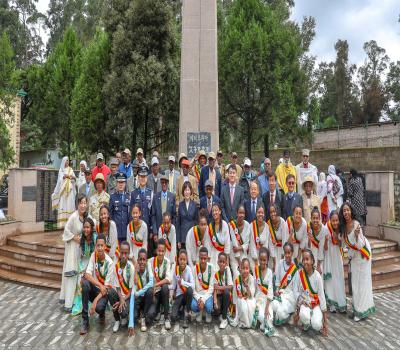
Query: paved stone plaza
x,y
32,319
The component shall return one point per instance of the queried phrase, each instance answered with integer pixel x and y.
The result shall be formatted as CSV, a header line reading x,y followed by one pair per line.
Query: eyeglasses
x,y
291,183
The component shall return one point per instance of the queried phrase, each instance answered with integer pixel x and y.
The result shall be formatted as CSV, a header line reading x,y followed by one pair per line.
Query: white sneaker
x,y
143,327
158,317
223,324
208,318
124,322
199,316
167,324
116,326
357,318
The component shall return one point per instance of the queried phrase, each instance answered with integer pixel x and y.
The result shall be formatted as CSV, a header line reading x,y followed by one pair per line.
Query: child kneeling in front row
x,y
204,287
223,286
182,289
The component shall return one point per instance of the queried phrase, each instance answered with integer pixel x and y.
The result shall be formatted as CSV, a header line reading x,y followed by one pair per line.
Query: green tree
x,y
374,97
89,115
393,89
141,90
261,52
7,100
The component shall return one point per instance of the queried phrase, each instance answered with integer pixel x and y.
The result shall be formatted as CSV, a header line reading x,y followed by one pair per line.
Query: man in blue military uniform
x,y
120,206
144,197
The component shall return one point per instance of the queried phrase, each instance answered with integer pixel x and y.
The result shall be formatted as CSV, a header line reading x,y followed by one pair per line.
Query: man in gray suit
x,y
232,195
163,201
291,199
172,174
153,180
88,187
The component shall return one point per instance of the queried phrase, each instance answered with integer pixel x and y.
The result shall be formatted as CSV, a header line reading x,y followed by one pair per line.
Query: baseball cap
x,y
139,151
154,160
185,162
209,183
114,161
211,155
202,153
164,177
234,154
171,159
126,151
219,152
247,162
100,156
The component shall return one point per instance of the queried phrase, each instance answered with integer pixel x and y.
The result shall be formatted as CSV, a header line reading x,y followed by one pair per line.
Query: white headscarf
x,y
333,177
81,178
55,196
321,186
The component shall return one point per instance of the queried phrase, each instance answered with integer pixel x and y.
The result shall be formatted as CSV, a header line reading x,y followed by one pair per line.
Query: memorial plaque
x,y
29,193
197,141
373,198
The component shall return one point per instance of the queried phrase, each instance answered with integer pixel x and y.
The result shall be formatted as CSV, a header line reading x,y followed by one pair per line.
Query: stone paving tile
x,y
32,319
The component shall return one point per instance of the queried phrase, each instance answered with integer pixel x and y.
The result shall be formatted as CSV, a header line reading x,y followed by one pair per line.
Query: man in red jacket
x,y
100,167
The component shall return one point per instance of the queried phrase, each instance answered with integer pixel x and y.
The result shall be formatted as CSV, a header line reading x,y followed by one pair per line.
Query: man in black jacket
x,y
291,199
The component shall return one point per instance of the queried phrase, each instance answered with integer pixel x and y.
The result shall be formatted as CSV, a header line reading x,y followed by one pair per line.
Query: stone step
x,y
380,246
30,268
386,285
29,280
380,259
30,255
387,271
49,242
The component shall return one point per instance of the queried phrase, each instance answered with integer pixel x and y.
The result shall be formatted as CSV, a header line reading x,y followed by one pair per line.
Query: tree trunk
x,y
248,141
266,145
134,135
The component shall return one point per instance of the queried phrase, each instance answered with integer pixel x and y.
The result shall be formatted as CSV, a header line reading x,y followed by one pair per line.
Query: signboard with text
x,y
197,141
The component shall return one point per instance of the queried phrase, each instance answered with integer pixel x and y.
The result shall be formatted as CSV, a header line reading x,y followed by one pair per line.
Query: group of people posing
x,y
212,240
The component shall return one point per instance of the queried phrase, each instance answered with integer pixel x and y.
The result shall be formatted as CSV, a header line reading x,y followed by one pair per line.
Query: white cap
x,y
171,159
247,162
154,160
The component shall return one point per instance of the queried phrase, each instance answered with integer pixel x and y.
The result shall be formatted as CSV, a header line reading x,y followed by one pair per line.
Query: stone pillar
x,y
199,76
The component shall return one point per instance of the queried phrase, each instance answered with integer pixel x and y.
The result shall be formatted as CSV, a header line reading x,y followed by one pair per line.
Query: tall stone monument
x,y
198,122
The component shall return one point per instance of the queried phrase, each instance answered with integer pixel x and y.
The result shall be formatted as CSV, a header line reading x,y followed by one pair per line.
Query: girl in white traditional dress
x,y
360,263
217,238
264,295
195,239
284,303
136,233
308,290
259,237
333,267
87,247
107,227
240,236
279,233
168,233
316,237
297,229
72,238
244,292
63,197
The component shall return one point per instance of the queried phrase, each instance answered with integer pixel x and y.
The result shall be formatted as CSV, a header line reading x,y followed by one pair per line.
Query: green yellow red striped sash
x,y
120,275
286,279
214,238
236,232
260,281
240,291
101,277
133,233
314,240
256,234
330,229
274,239
364,251
156,269
165,235
178,274
204,284
307,287
290,223
196,233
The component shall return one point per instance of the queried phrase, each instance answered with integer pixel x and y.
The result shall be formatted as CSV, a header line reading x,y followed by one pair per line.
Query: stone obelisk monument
x,y
198,122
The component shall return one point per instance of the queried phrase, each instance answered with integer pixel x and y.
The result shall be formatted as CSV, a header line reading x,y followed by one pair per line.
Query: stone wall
x,y
397,196
374,135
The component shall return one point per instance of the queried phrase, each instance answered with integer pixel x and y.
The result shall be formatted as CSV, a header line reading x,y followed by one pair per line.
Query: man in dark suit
x,y
251,205
272,196
209,172
232,195
209,199
163,201
291,199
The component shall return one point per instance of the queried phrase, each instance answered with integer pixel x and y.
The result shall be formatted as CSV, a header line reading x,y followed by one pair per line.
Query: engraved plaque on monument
x,y
197,141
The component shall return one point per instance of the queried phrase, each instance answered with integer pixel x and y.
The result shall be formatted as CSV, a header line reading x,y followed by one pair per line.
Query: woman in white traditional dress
x,y
334,190
81,180
87,247
259,237
333,267
217,239
264,294
244,292
322,191
308,290
240,237
284,303
63,197
72,237
108,228
360,263
316,237
297,230
168,233
279,234
136,234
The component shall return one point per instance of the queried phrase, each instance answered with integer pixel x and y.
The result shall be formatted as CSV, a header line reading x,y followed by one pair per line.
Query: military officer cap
x,y
121,177
143,171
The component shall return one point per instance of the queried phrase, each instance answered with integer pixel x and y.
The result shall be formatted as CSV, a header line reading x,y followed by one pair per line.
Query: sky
x,y
356,21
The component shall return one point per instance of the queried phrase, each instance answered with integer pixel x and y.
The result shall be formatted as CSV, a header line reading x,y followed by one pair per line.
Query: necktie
x,y
232,194
171,181
209,206
164,202
272,199
253,209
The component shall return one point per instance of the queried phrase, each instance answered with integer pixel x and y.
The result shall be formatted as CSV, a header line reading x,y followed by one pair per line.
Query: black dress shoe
x,y
185,323
102,319
84,328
